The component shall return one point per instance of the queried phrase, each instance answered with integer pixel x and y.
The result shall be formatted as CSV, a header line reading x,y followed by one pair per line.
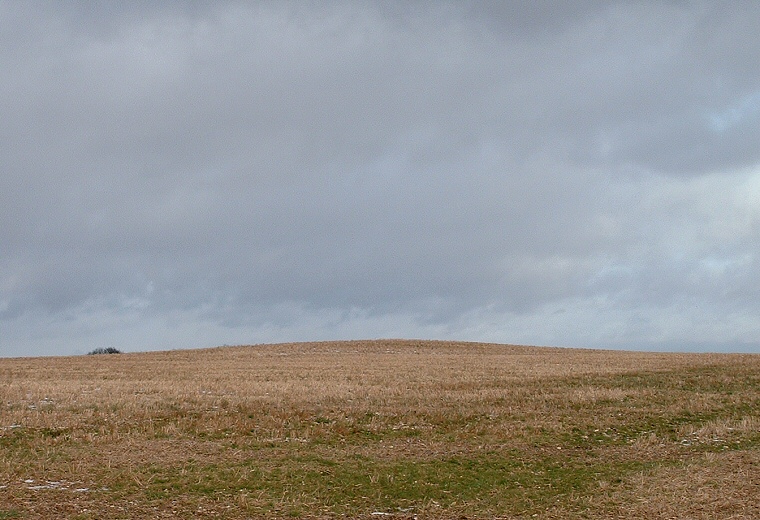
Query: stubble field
x,y
381,429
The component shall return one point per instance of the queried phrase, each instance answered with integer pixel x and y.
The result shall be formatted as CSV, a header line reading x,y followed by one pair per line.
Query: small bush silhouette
x,y
101,350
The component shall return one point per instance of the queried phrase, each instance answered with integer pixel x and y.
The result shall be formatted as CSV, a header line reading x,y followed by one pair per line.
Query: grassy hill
x,y
381,429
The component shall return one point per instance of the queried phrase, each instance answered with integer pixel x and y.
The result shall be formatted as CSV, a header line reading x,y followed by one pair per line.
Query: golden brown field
x,y
381,429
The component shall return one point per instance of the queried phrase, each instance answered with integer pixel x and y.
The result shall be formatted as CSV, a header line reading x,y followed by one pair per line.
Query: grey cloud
x,y
302,170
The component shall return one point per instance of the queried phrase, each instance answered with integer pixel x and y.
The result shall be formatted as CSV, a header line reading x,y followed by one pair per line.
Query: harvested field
x,y
381,429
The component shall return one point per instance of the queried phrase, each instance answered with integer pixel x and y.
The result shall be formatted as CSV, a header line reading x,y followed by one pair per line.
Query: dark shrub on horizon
x,y
101,350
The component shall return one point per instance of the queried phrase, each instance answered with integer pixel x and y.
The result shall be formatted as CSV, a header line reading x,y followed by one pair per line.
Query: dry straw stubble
x,y
405,428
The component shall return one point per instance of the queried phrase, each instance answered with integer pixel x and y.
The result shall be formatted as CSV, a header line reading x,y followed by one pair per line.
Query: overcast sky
x,y
182,174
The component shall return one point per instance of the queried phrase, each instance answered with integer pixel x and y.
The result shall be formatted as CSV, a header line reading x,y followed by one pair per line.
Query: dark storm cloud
x,y
183,174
